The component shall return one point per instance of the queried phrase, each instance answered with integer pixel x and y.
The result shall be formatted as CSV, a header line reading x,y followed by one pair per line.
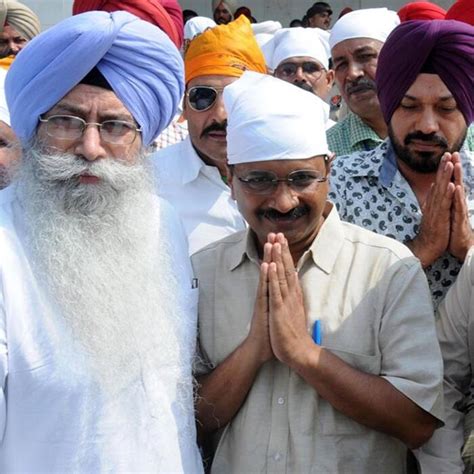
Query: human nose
x,y
428,122
90,145
299,74
355,70
218,111
284,199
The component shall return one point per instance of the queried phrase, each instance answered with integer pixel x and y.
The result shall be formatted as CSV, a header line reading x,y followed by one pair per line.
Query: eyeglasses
x,y
68,127
201,98
290,69
266,182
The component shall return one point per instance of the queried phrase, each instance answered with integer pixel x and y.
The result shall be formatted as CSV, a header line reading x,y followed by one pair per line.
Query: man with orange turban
x,y
190,172
166,14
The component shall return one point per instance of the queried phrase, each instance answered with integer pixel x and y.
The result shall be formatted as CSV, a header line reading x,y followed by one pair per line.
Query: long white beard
x,y
100,249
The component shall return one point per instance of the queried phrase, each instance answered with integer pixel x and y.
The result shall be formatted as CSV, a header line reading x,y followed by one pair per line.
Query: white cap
x,y
270,27
270,119
373,23
197,25
4,114
291,42
262,39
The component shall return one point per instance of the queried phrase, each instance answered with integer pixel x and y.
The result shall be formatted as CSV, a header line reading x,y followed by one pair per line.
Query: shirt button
x,y
281,401
277,457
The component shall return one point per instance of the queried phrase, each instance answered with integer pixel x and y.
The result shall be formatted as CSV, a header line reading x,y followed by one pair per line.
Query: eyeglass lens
x,y
308,67
202,98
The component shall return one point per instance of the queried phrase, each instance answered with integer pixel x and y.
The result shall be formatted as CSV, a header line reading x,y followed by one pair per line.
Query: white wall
x,y
52,11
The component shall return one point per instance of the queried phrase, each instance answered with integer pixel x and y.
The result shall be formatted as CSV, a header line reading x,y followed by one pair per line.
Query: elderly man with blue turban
x,y
97,308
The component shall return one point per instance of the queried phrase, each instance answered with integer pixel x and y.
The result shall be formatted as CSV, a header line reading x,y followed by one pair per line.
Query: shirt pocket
x,y
332,421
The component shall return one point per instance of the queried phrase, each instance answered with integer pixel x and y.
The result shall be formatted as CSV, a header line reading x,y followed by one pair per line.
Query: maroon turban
x,y
166,14
421,11
443,47
462,10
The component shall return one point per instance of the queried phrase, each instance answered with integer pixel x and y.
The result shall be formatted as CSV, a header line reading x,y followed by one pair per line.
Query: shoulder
x,y
378,245
215,251
360,163
169,158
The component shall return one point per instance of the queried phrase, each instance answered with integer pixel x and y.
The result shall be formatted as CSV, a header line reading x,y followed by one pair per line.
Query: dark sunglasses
x,y
201,98
290,69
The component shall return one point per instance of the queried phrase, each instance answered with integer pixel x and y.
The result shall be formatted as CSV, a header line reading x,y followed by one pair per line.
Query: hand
x,y
433,238
461,237
259,336
288,332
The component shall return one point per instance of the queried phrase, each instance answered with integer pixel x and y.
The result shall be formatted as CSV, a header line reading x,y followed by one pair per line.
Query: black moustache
x,y
360,86
303,85
431,138
215,127
295,213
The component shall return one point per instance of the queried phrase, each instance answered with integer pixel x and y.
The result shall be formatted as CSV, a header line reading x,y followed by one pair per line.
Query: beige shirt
x,y
373,301
456,336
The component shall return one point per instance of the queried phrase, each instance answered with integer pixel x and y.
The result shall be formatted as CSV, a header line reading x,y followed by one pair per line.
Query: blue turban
x,y
139,61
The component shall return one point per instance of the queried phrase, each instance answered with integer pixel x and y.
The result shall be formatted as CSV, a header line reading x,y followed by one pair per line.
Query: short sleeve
x,y
411,359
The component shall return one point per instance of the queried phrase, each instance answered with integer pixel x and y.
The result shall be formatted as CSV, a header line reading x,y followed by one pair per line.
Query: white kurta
x,y
54,417
199,195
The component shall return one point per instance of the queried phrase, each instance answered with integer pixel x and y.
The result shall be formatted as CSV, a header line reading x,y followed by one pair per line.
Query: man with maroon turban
x,y
462,10
166,14
418,185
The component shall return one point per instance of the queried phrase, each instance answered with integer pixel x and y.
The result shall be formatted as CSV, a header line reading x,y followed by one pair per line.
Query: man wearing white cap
x,y
307,325
356,40
301,56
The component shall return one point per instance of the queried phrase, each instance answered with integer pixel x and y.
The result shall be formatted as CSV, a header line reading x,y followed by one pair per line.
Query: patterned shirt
x,y
352,134
369,191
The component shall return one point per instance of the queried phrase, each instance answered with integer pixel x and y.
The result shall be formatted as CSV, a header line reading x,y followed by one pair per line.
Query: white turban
x,y
270,119
197,25
4,114
373,23
290,42
269,27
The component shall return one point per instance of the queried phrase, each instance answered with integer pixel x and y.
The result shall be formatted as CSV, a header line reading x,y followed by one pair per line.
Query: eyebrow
x,y
443,99
362,49
81,111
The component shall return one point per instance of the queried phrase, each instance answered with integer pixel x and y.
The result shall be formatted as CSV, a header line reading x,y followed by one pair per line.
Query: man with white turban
x,y
18,25
300,56
355,42
307,325
97,306
223,11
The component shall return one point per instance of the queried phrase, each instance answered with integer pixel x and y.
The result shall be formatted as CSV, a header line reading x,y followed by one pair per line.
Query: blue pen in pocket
x,y
317,332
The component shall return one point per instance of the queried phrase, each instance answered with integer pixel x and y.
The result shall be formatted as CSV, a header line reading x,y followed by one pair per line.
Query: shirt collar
x,y
194,164
323,251
360,131
389,166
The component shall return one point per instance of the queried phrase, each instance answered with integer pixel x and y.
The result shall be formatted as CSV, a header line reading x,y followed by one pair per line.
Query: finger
x,y
289,265
460,206
275,297
277,259
262,291
267,252
457,174
271,238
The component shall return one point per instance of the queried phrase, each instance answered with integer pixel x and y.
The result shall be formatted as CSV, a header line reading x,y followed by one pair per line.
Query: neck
x,y
377,123
219,164
420,183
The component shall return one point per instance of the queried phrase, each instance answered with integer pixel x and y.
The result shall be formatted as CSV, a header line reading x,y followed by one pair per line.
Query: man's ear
x,y
230,179
330,76
328,159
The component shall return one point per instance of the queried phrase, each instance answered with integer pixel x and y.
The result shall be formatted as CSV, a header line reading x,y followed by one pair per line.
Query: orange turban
x,y
226,50
166,14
